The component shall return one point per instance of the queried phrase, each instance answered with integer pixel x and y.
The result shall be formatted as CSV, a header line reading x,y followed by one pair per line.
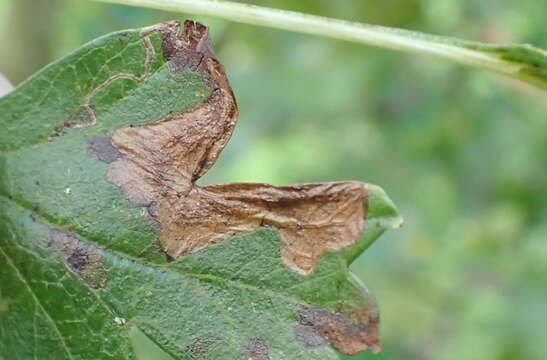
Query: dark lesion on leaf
x,y
101,147
200,347
80,257
317,327
161,162
257,349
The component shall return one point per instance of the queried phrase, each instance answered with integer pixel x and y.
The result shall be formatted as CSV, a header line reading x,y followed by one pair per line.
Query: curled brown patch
x,y
312,218
258,350
81,258
317,326
161,162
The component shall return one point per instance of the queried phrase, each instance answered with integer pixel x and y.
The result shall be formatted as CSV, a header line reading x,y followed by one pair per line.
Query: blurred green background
x,y
462,152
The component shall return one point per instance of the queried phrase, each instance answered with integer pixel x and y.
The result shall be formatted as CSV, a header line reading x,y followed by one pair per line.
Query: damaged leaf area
x,y
106,238
82,258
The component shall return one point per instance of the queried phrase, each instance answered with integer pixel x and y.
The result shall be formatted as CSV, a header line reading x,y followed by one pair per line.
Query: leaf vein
x,y
31,291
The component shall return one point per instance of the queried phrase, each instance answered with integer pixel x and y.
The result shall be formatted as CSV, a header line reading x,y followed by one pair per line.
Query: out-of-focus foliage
x,y
464,153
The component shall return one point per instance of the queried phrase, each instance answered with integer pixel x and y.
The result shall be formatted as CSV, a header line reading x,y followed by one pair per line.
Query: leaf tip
x,y
381,208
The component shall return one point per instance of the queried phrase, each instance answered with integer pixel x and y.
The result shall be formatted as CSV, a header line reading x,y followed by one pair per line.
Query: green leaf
x,y
520,61
83,266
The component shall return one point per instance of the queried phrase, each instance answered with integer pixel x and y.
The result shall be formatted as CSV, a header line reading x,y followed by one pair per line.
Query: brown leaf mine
x,y
319,326
159,165
312,218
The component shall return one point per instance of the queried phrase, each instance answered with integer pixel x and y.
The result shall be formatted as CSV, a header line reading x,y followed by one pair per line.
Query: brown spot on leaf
x,y
161,162
200,347
309,336
81,258
258,350
319,326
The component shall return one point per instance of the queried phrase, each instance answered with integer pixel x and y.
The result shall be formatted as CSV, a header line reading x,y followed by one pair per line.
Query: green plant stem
x,y
397,39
